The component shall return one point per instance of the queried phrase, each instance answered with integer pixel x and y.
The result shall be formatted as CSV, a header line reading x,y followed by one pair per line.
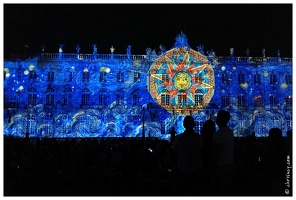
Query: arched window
x,y
225,100
288,101
137,77
225,79
85,75
135,99
119,97
85,96
182,99
258,101
258,98
70,76
288,78
259,126
198,98
49,96
257,78
31,125
165,97
32,74
50,76
241,78
275,122
198,126
273,100
102,97
289,122
273,79
47,129
198,78
241,100
243,124
165,79
120,77
32,96
68,96
102,77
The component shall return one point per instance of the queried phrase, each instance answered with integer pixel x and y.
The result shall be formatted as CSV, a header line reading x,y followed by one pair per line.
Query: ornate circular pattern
x,y
182,80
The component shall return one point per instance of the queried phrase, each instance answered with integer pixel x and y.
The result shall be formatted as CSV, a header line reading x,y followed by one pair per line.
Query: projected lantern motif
x,y
182,80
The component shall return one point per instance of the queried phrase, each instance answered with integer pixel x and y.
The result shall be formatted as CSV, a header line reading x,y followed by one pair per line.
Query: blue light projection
x,y
69,95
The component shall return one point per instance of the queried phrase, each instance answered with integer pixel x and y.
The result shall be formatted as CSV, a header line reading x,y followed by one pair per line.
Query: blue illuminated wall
x,y
65,95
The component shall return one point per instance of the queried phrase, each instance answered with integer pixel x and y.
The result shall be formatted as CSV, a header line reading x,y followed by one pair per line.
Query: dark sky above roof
x,y
216,26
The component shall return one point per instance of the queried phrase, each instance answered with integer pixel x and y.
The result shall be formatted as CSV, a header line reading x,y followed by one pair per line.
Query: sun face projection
x,y
182,81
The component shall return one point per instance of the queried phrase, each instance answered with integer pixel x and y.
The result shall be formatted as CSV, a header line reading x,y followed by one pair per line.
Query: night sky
x,y
216,26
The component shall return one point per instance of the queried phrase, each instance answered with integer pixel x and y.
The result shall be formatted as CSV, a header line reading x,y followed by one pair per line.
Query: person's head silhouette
x,y
223,117
275,134
188,123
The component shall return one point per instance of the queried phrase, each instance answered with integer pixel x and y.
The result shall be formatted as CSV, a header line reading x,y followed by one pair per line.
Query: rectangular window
x,y
68,99
119,99
85,99
198,99
288,79
241,100
257,79
165,99
225,79
32,75
225,101
258,101
137,77
70,78
182,99
289,123
49,99
198,126
103,76
241,78
135,100
165,79
288,101
102,99
50,76
85,77
272,100
273,79
198,78
120,77
32,99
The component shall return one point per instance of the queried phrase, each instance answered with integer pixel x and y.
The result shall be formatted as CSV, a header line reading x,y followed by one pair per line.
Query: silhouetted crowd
x,y
141,167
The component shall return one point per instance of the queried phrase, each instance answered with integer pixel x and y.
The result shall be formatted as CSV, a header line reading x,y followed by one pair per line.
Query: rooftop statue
x,y
181,40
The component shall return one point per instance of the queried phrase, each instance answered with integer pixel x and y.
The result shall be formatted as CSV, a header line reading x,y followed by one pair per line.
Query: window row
x,y
85,76
225,100
85,97
273,79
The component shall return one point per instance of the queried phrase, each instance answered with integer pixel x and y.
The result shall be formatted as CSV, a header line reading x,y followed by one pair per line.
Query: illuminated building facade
x,y
69,95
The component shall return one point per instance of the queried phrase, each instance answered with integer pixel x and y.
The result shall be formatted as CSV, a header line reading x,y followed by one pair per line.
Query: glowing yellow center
x,y
182,81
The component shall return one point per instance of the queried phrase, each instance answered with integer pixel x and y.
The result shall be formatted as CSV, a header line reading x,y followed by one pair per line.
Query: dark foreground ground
x,y
123,167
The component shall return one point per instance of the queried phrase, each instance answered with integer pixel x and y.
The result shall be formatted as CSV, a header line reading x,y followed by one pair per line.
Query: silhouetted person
x,y
207,132
173,135
223,155
27,135
289,143
272,166
187,147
